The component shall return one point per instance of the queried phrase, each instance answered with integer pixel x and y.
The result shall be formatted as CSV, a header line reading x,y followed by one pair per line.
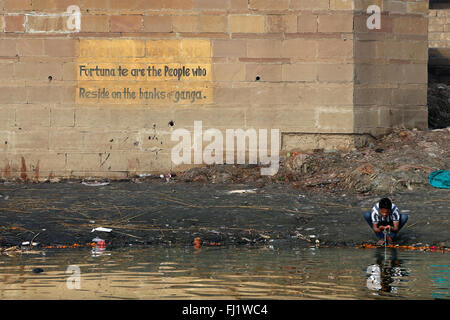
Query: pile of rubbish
x,y
400,161
438,105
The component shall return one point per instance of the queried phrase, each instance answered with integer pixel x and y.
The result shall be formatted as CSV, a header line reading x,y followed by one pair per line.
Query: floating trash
x,y
99,248
27,243
102,229
197,243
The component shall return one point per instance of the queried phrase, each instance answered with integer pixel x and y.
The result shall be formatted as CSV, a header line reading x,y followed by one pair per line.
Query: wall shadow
x,y
439,88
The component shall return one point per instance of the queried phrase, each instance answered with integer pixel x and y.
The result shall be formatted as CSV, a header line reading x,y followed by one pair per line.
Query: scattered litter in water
x,y
99,248
419,248
27,243
101,229
197,243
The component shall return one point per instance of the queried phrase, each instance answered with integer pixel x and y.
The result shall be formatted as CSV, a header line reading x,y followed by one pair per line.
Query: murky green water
x,y
227,273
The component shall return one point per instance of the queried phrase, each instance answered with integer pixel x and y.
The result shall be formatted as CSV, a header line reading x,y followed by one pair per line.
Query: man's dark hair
x,y
385,203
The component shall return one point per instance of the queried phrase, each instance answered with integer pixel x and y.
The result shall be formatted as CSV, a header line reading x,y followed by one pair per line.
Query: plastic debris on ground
x,y
144,175
440,179
242,191
166,176
95,183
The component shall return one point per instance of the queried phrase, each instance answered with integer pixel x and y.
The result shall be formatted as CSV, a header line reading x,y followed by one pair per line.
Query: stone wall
x,y
439,43
439,28
286,64
391,68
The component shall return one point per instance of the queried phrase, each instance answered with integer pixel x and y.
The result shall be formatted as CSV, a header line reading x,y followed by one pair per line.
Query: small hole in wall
x,y
50,78
258,78
171,123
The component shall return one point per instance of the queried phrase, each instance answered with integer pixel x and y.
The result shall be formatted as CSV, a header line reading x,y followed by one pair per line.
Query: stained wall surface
x,y
391,68
101,96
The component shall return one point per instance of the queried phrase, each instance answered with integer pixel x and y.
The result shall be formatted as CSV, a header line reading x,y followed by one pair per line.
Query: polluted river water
x,y
173,241
261,272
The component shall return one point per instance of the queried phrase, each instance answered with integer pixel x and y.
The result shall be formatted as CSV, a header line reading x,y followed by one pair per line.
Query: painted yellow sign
x,y
144,72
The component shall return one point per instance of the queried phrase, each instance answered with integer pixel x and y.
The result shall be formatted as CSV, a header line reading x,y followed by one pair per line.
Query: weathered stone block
x,y
65,140
229,48
307,23
282,23
158,23
300,49
336,72
335,49
14,23
299,72
8,47
62,117
13,94
126,23
263,48
210,23
61,47
30,47
336,23
265,72
247,24
269,5
32,117
211,4
341,4
16,5
95,23
228,72
310,4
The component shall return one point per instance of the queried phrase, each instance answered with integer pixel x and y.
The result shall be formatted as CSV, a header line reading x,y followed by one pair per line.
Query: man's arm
x,y
395,228
376,228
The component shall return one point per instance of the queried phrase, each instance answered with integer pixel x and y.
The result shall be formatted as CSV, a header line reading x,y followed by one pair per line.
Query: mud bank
x,y
65,214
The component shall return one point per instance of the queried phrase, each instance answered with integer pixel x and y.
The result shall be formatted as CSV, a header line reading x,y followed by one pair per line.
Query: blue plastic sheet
x,y
440,179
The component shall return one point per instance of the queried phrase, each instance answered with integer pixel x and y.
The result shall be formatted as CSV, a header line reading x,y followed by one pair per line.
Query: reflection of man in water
x,y
385,275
